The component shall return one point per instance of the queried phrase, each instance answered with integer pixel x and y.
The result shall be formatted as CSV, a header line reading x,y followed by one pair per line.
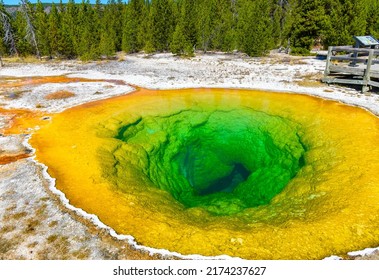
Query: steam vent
x,y
248,174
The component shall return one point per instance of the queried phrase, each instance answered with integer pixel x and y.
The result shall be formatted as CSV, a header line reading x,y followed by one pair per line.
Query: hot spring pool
x,y
250,174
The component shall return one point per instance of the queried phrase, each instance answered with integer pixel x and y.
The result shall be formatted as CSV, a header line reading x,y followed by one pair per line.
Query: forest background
x,y
92,31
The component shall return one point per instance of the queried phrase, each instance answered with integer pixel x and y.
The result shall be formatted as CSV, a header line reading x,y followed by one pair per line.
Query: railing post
x,y
366,77
327,72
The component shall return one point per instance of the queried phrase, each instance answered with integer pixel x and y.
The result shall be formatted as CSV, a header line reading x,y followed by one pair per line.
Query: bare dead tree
x,y
9,38
282,3
233,6
30,29
285,5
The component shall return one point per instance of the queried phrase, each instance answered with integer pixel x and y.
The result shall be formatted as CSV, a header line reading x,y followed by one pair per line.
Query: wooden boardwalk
x,y
357,66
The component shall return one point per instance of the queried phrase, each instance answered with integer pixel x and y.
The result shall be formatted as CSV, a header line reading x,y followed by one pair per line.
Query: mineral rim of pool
x,y
250,174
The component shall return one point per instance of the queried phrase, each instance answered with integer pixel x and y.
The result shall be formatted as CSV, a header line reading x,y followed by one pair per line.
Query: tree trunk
x,y
30,29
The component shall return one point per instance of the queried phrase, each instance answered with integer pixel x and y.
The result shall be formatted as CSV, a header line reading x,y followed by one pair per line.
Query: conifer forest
x,y
91,31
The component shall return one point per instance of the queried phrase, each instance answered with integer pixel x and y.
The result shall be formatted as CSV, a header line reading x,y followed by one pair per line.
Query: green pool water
x,y
222,161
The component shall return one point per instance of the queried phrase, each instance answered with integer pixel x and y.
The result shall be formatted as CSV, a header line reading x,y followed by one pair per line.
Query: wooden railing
x,y
353,66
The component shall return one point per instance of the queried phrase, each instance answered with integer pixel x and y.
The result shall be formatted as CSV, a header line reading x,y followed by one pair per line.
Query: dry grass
x,y
81,254
52,238
5,245
33,244
312,76
7,228
20,59
31,226
310,83
53,223
62,94
41,210
121,56
297,62
11,207
59,248
284,59
310,80
18,215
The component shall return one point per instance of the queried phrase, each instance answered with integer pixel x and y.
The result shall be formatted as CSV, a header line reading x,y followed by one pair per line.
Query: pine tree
x,y
85,47
223,25
133,16
68,30
179,43
372,27
117,23
42,29
184,37
288,19
98,23
355,16
53,28
65,33
188,22
113,15
255,27
108,37
231,34
22,44
282,12
310,20
160,24
347,18
145,34
204,23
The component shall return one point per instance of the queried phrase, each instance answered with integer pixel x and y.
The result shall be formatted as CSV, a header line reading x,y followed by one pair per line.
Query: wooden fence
x,y
357,66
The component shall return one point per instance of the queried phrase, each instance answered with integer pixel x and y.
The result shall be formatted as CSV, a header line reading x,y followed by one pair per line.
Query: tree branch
x,y
9,37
